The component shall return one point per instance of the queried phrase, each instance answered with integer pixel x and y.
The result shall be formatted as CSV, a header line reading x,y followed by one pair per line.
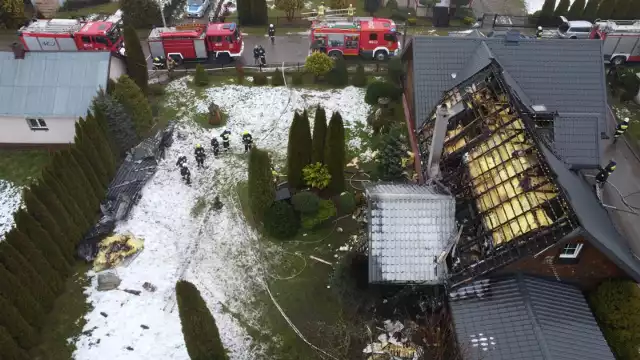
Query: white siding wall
x,y
15,130
117,68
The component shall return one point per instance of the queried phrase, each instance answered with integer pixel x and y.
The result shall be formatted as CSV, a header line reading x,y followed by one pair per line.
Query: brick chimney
x,y
18,50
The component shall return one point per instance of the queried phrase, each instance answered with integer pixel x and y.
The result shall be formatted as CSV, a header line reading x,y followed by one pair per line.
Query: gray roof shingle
x,y
409,227
51,84
565,76
525,318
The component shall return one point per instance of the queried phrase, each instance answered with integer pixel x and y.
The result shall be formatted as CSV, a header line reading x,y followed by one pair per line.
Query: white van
x,y
578,29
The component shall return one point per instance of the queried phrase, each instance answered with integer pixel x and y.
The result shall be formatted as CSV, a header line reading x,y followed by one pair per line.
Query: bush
x,y
305,202
140,14
156,89
200,78
326,210
468,20
389,159
239,75
261,190
260,79
277,79
392,4
318,64
616,305
281,221
380,89
201,335
395,71
347,202
316,175
338,76
297,78
9,348
359,78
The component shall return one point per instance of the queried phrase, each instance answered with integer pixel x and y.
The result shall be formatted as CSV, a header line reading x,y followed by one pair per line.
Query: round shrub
x,y
277,79
305,202
359,79
156,89
378,89
392,4
326,211
281,221
260,79
347,202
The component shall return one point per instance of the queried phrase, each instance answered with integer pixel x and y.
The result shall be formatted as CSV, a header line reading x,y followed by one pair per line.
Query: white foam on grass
x,y
217,250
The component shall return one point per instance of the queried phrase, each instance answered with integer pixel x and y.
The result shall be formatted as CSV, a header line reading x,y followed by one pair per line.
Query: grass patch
x,y
19,166
66,320
108,8
627,109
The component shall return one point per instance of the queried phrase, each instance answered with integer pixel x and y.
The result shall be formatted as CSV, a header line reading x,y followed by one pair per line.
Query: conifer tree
x,y
319,136
547,9
591,10
28,250
562,8
118,122
103,145
41,239
16,325
260,184
83,181
19,296
634,10
40,213
22,269
46,195
576,10
622,9
298,149
86,146
96,185
66,199
135,103
605,10
201,335
335,153
74,185
136,62
9,348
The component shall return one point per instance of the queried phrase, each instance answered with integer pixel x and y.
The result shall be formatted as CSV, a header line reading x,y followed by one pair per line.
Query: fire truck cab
x,y
197,42
371,38
621,40
73,35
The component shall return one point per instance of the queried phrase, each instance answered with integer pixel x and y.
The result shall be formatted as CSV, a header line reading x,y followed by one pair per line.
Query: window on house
x,y
37,124
373,37
570,251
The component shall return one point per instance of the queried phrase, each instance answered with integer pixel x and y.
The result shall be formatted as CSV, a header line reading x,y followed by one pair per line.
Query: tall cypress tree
x,y
298,150
93,201
562,8
87,169
62,217
132,98
28,250
40,213
8,347
605,10
260,183
136,62
634,10
41,239
85,145
622,9
547,9
201,335
335,153
16,325
119,124
15,292
576,10
74,185
21,269
103,146
69,202
591,10
319,135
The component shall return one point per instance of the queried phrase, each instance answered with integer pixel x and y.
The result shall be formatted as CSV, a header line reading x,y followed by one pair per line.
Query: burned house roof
x,y
565,77
525,318
409,228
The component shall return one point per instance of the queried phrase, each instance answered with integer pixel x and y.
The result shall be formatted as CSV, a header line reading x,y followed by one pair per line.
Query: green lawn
x,y
66,320
19,166
108,8
627,109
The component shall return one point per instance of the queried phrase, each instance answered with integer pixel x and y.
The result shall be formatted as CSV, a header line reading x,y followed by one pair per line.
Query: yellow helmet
x,y
245,132
198,146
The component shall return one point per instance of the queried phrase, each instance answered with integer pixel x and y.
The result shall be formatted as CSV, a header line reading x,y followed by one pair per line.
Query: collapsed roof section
x,y
410,228
507,199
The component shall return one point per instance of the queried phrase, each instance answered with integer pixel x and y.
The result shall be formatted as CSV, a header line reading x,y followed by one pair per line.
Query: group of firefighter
x,y
201,156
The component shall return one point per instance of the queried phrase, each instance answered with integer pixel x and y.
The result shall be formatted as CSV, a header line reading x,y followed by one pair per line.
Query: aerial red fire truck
x,y
371,38
621,40
197,42
74,35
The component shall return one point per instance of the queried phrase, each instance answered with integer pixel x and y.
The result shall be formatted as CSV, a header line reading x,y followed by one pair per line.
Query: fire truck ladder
x,y
328,14
621,26
55,26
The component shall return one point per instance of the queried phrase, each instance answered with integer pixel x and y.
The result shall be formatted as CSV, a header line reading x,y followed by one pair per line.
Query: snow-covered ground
x,y
217,251
10,201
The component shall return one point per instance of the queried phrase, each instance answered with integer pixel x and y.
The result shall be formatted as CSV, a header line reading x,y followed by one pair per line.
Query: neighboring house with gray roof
x,y
42,94
525,318
520,205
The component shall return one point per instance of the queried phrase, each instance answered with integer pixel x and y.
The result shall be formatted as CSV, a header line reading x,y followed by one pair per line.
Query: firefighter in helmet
x,y
247,140
350,12
620,129
200,155
186,174
605,172
226,137
320,11
539,32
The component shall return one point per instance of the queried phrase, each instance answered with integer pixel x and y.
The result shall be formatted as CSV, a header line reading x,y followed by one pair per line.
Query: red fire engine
x,y
73,35
371,38
621,40
197,42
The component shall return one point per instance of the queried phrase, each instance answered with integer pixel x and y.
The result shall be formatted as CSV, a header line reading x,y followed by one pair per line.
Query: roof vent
x,y
513,36
539,108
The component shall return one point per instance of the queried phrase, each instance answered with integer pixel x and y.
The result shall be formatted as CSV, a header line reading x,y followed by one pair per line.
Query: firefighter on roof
x,y
247,139
225,139
620,129
604,173
539,33
200,155
186,174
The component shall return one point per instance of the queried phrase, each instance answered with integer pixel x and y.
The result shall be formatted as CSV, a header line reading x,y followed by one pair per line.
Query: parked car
x,y
576,29
197,8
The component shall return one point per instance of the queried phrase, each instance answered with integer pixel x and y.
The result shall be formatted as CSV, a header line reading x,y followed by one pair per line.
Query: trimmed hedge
x,y
347,202
261,190
281,221
326,210
305,202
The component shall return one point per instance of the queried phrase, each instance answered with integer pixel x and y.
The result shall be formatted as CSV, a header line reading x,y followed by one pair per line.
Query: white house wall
x,y
15,130
117,68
